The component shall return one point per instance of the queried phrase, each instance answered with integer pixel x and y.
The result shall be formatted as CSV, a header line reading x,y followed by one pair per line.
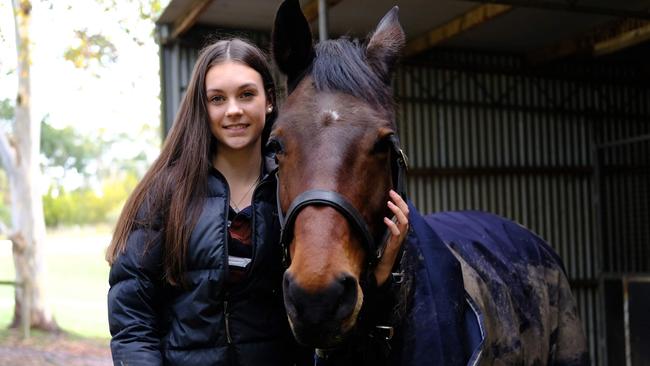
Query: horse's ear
x,y
386,44
292,46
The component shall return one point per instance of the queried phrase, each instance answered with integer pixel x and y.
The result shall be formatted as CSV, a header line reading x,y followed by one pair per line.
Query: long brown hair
x,y
171,194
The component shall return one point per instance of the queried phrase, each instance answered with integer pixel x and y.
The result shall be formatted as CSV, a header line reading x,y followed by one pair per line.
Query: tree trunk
x,y
28,221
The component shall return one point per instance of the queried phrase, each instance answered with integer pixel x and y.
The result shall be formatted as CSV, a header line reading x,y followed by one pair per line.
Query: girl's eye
x,y
247,95
217,99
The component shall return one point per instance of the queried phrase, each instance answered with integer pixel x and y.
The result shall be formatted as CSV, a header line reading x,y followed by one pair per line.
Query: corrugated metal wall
x,y
176,66
623,207
623,170
484,132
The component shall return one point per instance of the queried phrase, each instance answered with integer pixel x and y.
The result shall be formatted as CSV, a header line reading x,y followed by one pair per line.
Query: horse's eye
x,y
381,146
274,146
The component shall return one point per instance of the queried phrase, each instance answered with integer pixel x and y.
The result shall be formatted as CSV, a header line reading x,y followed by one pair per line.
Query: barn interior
x,y
537,110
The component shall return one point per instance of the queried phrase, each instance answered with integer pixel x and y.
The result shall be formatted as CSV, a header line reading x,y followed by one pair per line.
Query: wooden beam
x,y
184,23
559,50
622,41
575,6
611,37
311,9
454,27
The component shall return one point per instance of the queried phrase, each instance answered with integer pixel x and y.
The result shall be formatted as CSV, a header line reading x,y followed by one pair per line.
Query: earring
x,y
269,109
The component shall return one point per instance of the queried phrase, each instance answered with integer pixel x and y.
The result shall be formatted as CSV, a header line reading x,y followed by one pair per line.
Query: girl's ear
x,y
292,45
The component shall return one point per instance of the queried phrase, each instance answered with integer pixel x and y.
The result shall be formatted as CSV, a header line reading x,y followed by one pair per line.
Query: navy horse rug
x,y
477,269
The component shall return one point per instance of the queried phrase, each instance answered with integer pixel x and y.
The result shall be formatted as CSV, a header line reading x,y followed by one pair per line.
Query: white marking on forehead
x,y
333,114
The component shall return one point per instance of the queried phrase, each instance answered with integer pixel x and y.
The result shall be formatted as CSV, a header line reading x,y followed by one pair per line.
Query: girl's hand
x,y
399,228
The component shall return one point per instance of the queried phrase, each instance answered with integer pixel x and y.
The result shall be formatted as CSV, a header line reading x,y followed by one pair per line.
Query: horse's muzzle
x,y
319,318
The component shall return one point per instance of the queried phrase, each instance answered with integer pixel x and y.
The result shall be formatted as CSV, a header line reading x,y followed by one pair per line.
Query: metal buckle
x,y
404,158
323,354
286,258
384,332
398,277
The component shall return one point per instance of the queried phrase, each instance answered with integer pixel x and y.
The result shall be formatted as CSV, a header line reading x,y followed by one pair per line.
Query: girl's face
x,y
237,105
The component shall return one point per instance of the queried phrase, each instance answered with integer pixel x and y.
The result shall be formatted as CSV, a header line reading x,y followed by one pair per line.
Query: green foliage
x,y
67,149
5,204
107,179
84,206
151,9
6,109
89,48
148,9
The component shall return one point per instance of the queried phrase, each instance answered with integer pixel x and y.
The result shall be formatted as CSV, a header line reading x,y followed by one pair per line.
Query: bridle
x,y
319,197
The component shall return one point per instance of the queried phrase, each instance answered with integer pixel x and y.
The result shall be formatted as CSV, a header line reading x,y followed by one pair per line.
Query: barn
x,y
537,110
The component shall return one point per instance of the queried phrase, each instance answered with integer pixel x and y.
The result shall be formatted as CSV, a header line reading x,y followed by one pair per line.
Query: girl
x,y
196,267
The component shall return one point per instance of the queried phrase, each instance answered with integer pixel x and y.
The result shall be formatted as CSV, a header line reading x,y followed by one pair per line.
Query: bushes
x,y
85,206
102,178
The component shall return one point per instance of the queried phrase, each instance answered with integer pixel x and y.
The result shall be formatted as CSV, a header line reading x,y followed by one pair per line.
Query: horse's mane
x,y
341,65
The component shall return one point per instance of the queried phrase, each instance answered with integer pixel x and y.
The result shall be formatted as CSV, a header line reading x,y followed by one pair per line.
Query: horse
x,y
470,288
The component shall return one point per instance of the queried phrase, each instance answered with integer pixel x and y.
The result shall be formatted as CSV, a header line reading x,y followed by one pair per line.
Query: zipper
x,y
226,315
253,227
226,211
227,321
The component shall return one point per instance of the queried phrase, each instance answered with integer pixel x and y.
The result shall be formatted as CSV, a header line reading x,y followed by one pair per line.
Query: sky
x,y
119,98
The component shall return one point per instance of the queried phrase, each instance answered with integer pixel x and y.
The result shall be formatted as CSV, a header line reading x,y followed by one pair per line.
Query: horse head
x,y
336,146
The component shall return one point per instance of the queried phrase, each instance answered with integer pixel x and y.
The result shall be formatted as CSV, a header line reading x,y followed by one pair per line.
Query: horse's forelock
x,y
340,65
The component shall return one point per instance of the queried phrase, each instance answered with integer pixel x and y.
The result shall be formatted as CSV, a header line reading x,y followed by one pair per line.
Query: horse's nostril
x,y
348,297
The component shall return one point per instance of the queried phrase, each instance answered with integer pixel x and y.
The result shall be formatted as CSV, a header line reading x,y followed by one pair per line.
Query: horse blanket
x,y
483,290
512,282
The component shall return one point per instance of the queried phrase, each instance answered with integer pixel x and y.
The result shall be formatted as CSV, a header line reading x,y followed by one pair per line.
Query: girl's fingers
x,y
402,220
398,228
399,201
392,227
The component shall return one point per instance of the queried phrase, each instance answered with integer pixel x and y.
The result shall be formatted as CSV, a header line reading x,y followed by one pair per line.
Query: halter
x,y
319,197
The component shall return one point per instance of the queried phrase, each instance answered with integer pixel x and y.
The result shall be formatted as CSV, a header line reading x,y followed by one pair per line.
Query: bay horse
x,y
470,287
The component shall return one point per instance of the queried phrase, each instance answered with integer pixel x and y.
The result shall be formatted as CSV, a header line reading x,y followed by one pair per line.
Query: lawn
x,y
77,281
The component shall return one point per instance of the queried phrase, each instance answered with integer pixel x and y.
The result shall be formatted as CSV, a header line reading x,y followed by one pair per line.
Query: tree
x,y
65,151
19,152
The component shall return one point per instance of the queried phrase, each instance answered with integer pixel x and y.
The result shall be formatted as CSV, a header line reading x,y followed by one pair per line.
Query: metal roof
x,y
527,26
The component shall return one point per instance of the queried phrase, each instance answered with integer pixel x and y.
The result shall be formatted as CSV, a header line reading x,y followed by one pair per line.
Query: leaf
x,y
91,48
6,109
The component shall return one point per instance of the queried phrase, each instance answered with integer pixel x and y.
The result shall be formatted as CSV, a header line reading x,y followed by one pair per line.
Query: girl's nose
x,y
234,109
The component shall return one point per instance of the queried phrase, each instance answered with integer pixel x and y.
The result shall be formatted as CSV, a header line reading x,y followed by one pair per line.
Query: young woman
x,y
196,267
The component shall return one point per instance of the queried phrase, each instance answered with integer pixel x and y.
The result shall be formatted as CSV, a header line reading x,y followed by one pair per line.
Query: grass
x,y
76,282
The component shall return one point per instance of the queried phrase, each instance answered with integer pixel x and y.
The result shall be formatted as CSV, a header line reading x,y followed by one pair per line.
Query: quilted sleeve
x,y
133,300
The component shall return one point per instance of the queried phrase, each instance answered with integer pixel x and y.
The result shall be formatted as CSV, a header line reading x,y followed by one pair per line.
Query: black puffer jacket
x,y
153,323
